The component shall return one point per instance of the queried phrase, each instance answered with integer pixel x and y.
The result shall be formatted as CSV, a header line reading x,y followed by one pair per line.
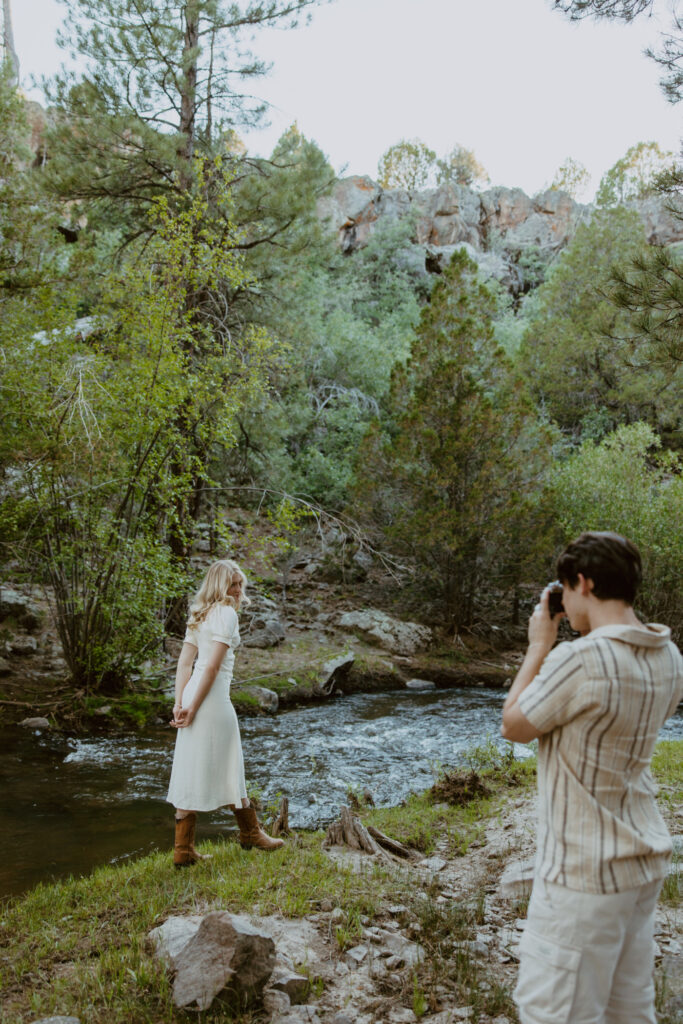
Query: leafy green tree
x,y
634,176
629,484
104,438
346,320
461,167
408,164
454,480
152,121
571,177
579,352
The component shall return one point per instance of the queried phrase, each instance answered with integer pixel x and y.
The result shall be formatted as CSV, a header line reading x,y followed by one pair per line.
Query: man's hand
x,y
542,636
543,628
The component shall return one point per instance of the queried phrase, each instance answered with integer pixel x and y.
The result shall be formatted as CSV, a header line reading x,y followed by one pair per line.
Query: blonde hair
x,y
214,590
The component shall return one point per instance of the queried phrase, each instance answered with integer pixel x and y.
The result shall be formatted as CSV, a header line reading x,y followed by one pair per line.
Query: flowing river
x,y
70,804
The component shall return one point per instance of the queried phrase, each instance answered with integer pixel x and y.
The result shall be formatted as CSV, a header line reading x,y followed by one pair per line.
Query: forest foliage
x,y
176,324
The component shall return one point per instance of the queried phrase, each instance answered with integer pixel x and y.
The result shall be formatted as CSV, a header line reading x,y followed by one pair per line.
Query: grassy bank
x,y
78,947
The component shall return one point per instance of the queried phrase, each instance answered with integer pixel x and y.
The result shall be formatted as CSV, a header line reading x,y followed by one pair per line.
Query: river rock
x,y
394,635
226,955
5,667
420,684
268,700
334,672
57,1020
35,723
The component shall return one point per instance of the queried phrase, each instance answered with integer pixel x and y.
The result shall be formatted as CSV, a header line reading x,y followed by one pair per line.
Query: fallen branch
x,y
350,831
392,845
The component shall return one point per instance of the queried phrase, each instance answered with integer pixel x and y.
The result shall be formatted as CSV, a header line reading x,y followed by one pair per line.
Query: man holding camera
x,y
596,706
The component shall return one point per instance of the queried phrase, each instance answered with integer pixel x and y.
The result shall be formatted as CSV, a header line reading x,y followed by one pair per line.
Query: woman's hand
x,y
183,717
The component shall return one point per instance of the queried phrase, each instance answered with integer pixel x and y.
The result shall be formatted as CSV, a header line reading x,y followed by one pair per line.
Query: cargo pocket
x,y
546,982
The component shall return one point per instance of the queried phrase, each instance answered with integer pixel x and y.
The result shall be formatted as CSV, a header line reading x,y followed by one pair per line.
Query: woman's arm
x,y
186,715
182,675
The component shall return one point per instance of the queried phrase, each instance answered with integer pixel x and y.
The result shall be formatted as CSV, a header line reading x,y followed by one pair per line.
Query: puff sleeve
x,y
224,624
191,637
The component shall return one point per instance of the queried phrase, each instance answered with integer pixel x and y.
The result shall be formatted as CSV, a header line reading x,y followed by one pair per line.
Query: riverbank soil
x,y
432,940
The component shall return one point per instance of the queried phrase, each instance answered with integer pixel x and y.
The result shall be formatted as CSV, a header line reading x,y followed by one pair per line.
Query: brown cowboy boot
x,y
251,833
184,853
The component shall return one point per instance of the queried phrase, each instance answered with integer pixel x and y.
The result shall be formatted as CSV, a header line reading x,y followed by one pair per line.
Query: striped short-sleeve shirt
x,y
600,702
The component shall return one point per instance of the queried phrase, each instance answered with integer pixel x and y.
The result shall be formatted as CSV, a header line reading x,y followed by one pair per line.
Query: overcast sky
x,y
511,79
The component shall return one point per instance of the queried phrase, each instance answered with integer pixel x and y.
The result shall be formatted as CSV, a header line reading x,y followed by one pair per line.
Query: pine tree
x,y
165,82
455,482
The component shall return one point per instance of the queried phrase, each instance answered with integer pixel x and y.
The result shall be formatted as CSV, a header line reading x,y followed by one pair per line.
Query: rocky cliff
x,y
495,227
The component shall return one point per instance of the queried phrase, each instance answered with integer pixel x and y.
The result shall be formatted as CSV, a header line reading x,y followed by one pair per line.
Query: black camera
x,y
555,606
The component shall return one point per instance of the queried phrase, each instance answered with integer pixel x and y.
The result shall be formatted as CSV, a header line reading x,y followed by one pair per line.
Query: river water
x,y
70,804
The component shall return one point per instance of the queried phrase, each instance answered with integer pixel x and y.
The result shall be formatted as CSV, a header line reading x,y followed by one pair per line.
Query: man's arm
x,y
542,636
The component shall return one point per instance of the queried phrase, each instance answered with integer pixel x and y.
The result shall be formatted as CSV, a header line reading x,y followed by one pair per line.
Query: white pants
x,y
587,958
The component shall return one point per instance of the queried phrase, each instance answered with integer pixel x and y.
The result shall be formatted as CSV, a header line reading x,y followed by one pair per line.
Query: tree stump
x,y
281,823
350,831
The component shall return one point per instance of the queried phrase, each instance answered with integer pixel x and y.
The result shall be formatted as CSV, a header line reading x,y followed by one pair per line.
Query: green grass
x,y
667,768
78,947
420,821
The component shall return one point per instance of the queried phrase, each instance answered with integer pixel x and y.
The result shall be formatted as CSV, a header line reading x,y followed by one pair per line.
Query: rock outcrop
x,y
494,227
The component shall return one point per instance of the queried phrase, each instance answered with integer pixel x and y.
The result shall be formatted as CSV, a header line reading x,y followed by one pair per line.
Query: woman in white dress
x,y
208,770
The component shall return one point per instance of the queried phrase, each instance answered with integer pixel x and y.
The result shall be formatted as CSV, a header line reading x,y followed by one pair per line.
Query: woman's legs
x,y
184,853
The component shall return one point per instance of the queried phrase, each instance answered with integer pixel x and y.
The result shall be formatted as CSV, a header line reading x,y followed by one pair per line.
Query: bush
x,y
628,484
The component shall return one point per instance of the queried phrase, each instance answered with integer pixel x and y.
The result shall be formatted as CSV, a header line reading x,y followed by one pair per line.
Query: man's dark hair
x,y
611,561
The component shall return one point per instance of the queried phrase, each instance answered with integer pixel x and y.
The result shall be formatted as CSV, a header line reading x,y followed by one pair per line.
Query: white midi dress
x,y
208,768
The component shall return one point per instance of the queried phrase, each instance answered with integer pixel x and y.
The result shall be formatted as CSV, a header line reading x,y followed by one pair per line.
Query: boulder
x,y
171,937
420,684
265,630
23,645
333,672
22,609
227,956
394,635
35,723
267,699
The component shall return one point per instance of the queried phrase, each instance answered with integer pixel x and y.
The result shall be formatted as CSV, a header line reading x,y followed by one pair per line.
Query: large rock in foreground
x,y
225,957
398,637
